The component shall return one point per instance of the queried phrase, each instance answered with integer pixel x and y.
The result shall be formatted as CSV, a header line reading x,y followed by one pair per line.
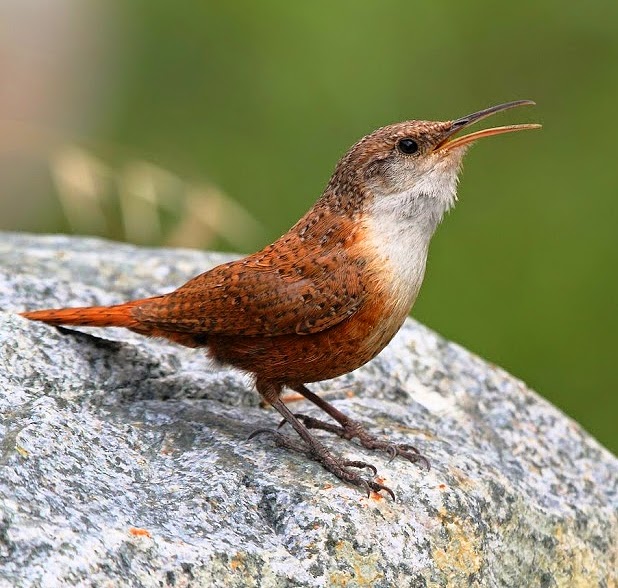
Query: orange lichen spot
x,y
378,495
137,532
442,486
22,451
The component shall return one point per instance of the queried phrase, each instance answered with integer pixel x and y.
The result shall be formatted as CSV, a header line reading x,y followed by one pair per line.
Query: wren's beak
x,y
446,144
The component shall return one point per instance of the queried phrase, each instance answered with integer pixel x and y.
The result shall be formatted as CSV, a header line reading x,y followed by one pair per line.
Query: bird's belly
x,y
294,359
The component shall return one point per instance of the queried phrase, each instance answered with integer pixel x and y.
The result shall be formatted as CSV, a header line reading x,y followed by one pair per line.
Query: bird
x,y
327,296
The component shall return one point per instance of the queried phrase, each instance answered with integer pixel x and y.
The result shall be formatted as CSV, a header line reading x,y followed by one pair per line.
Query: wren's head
x,y
409,170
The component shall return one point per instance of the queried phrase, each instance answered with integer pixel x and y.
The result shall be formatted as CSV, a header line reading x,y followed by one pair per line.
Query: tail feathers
x,y
90,316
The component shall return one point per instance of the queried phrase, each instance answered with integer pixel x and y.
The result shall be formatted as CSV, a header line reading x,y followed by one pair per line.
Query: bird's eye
x,y
407,146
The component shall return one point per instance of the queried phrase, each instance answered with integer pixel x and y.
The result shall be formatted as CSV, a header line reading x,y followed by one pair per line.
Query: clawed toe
x,y
418,458
340,469
336,465
361,464
264,431
376,487
404,450
351,429
412,454
409,452
345,428
408,447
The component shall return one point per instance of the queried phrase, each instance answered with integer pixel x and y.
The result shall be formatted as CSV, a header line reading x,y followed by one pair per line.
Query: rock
x,y
125,461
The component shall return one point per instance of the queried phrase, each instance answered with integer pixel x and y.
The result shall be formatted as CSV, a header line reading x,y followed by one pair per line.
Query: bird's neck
x,y
398,228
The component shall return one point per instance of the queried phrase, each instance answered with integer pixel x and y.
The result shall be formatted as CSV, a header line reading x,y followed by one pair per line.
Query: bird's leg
x,y
349,429
313,448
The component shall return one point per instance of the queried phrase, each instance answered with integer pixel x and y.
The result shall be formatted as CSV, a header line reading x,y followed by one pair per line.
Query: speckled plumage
x,y
328,295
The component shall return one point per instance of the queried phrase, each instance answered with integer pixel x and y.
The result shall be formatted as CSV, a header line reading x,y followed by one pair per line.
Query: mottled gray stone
x,y
125,461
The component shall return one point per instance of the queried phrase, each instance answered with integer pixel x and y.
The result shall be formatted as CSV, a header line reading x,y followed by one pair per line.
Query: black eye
x,y
407,146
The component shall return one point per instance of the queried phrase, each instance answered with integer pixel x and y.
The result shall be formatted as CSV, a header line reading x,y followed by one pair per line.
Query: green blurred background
x,y
217,124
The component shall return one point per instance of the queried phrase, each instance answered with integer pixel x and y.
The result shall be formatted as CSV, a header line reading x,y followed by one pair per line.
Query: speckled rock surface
x,y
124,461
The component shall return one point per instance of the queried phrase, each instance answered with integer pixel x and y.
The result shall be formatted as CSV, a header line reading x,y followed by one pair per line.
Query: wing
x,y
285,288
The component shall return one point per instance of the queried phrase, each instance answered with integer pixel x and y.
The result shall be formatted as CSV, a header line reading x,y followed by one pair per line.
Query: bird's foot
x,y
351,429
342,468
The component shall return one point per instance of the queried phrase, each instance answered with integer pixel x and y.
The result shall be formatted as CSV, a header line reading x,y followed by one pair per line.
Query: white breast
x,y
400,228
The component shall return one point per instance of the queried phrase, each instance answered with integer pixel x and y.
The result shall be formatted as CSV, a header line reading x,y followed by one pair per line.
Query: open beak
x,y
447,143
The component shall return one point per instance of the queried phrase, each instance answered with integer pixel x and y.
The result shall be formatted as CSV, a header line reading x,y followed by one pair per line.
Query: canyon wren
x,y
327,296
